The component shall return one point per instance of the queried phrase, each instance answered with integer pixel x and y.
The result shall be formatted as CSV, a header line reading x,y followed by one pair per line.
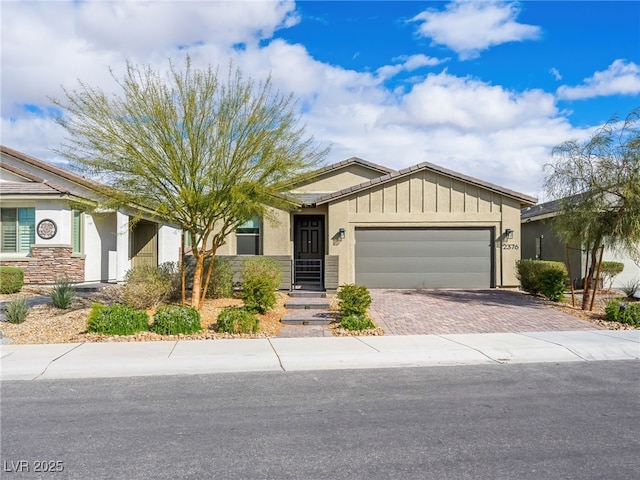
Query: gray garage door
x,y
423,258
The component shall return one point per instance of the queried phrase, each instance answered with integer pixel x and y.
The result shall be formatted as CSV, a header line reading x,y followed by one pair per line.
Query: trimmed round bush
x,y
11,279
116,319
175,319
237,320
356,323
147,286
354,300
552,283
609,271
528,273
261,277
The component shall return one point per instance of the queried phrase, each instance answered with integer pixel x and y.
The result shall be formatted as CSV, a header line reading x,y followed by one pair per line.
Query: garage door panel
x,y
417,265
418,234
427,258
422,249
423,281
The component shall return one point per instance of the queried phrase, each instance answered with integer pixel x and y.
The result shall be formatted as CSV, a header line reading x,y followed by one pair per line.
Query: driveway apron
x,y
433,312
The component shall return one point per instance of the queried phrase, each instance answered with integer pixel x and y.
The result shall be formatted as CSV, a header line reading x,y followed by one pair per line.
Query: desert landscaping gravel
x,y
47,324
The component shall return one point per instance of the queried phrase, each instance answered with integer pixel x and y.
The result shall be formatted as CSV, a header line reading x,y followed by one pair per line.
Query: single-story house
x,y
539,241
420,227
51,228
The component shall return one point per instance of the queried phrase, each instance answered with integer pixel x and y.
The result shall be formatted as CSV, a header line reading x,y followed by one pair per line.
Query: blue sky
x,y
486,88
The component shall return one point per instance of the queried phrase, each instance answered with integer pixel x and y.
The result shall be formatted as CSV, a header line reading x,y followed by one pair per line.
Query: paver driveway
x,y
427,312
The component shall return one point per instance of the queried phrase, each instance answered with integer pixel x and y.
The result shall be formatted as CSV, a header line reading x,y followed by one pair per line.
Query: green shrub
x,y
356,322
237,320
175,319
116,319
146,286
354,300
63,294
552,283
528,273
11,279
623,312
17,310
261,276
609,271
221,283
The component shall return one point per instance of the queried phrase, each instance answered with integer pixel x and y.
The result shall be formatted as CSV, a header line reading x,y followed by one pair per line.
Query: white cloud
x,y
409,64
556,73
461,123
48,44
468,104
470,27
620,78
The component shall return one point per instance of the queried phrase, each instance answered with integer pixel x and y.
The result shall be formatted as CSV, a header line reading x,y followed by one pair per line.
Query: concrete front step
x,y
308,317
307,303
307,294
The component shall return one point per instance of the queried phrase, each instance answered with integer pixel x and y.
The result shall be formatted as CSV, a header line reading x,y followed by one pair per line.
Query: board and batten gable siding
x,y
425,192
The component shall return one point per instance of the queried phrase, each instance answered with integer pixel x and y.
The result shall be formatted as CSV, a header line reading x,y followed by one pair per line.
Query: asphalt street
x,y
499,421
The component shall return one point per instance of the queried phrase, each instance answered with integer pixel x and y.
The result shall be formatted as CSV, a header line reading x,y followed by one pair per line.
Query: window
x,y
18,226
248,237
77,231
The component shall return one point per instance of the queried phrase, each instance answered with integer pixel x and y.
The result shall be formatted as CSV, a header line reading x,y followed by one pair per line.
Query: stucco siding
x,y
339,179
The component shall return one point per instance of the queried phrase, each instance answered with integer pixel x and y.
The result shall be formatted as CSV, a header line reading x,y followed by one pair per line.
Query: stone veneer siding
x,y
46,264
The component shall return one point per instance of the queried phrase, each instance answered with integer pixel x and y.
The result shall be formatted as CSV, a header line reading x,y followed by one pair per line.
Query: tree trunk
x,y
196,300
597,279
573,292
207,276
588,280
183,273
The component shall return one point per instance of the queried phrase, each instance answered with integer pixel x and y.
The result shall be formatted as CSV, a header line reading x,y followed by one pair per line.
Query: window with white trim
x,y
18,229
248,237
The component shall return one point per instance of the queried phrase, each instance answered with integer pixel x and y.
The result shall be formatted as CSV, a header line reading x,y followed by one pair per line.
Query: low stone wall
x,y
47,263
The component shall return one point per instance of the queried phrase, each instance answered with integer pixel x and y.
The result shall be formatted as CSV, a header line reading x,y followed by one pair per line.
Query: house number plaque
x,y
47,229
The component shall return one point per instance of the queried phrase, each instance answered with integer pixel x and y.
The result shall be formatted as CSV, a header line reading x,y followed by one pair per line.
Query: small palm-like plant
x,y
63,294
17,310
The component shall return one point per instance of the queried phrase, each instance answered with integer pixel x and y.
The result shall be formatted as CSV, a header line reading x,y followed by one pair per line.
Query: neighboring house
x,y
539,241
420,227
51,227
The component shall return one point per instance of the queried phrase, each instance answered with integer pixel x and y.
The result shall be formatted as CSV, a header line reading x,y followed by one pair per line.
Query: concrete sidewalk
x,y
92,360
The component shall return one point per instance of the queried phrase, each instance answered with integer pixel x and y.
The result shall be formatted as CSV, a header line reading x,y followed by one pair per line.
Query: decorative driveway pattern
x,y
429,312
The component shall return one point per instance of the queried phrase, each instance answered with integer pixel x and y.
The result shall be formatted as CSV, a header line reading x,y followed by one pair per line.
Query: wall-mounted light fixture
x,y
508,233
341,233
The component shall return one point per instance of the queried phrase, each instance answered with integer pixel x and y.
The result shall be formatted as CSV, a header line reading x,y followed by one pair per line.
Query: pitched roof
x,y
35,186
546,209
48,167
393,175
352,161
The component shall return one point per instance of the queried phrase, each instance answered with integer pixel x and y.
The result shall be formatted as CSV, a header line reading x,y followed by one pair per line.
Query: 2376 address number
x,y
510,246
